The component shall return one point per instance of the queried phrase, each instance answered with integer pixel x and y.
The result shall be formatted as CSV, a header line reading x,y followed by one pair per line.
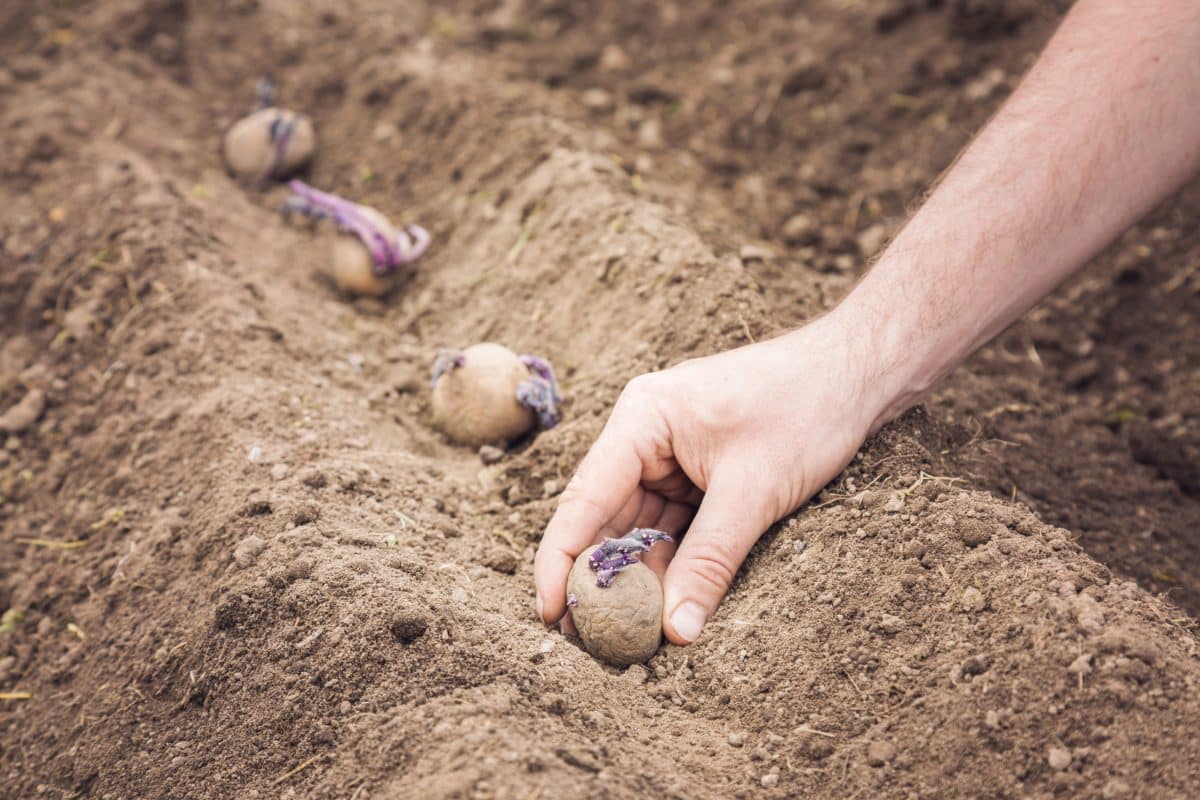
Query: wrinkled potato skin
x,y
620,624
351,266
247,144
477,402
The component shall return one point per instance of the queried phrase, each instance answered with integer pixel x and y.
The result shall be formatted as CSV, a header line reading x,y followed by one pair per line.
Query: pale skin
x,y
1105,126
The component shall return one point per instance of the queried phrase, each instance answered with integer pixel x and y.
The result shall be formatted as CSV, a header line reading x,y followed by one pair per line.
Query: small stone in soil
x,y
1058,758
770,780
24,413
736,739
489,454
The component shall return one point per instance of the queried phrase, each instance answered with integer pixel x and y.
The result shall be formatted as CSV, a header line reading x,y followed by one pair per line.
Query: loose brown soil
x,y
239,561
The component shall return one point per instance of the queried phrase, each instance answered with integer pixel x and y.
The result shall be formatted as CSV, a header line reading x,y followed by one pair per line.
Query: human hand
x,y
731,443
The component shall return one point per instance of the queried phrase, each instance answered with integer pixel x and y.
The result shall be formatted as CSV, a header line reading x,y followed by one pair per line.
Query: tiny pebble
x,y
1058,758
736,739
279,471
255,455
1115,788
459,595
770,780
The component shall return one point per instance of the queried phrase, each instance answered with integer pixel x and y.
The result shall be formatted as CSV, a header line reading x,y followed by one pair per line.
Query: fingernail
x,y
688,620
537,605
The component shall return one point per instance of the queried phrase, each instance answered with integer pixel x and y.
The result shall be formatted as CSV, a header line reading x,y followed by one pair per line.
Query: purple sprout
x,y
279,133
540,393
572,601
386,254
614,555
264,92
446,360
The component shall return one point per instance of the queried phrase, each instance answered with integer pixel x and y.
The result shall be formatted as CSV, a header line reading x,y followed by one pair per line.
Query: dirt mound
x,y
238,561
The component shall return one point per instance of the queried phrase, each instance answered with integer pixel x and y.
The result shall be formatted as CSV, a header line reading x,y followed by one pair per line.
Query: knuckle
x,y
639,388
714,562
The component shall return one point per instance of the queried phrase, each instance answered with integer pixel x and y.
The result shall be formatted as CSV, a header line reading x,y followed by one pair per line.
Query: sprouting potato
x,y
366,257
488,394
616,601
270,143
351,265
475,401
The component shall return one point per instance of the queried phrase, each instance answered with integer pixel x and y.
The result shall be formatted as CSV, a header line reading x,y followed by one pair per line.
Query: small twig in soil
x,y
59,545
839,498
806,729
522,239
294,770
925,476
15,695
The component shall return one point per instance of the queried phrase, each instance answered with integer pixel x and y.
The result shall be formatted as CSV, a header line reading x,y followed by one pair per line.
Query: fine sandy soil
x,y
237,561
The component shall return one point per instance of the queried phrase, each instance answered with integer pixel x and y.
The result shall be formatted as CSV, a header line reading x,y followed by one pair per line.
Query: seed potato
x,y
351,265
476,403
250,153
620,623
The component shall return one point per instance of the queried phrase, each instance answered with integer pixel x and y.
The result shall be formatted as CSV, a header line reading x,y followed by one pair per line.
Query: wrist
x,y
898,356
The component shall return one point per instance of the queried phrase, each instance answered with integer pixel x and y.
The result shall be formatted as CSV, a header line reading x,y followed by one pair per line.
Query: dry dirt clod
x,y
880,752
408,626
736,739
972,600
1114,789
26,412
247,550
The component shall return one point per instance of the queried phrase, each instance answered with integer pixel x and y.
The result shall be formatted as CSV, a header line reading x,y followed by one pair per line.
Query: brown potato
x,y
620,623
477,403
351,265
249,152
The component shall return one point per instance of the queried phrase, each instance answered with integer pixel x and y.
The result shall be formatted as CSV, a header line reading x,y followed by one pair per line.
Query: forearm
x,y
1105,126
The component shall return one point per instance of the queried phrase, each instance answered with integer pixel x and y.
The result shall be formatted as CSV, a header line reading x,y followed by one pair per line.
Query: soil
x,y
238,561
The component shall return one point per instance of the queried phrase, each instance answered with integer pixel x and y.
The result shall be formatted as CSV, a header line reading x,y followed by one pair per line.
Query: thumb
x,y
712,551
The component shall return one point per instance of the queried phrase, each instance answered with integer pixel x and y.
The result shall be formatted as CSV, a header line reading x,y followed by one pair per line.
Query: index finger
x,y
603,483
